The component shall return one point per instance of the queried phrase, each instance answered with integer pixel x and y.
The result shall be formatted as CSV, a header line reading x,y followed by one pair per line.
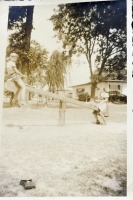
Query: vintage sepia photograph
x,y
64,115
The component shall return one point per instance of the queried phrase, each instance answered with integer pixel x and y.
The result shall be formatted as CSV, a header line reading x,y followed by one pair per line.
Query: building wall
x,y
109,86
114,86
86,88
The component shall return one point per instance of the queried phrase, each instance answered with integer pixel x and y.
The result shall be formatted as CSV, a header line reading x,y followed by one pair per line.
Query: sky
x,y
43,27
44,34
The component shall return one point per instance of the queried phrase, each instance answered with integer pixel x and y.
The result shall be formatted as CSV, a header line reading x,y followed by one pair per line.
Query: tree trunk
x,y
94,84
102,65
25,67
30,94
28,29
90,64
93,88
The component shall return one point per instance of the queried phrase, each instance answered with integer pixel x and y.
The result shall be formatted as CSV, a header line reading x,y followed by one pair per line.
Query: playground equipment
x,y
9,85
62,102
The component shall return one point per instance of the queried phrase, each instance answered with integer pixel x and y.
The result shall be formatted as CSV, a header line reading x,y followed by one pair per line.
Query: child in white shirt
x,y
16,76
102,104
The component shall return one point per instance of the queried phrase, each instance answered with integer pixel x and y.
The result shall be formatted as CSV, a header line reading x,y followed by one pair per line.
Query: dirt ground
x,y
78,159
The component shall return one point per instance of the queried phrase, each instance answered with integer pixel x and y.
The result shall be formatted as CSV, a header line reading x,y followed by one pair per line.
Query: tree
x,y
96,29
56,71
38,59
20,19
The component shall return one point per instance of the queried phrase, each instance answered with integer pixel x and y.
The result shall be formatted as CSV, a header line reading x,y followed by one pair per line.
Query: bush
x,y
118,99
84,97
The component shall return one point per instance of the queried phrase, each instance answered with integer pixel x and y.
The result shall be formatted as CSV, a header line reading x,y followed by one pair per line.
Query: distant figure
x,y
15,76
102,104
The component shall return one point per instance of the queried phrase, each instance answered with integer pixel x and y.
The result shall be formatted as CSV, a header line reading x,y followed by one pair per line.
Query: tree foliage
x,y
38,56
56,71
38,59
20,21
96,29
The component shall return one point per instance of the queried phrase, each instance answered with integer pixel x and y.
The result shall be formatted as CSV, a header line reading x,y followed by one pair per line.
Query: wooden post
x,y
37,102
46,101
63,112
60,113
26,96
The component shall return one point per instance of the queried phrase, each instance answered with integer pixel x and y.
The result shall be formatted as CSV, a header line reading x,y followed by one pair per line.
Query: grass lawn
x,y
79,159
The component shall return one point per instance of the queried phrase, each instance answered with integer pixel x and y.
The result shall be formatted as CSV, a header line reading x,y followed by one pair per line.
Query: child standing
x,y
16,77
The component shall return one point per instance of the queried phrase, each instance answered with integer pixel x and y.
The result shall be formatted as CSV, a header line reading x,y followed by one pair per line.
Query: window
x,y
80,90
115,88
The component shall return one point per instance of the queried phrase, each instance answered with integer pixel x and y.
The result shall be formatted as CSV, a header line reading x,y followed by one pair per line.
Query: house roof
x,y
81,84
88,83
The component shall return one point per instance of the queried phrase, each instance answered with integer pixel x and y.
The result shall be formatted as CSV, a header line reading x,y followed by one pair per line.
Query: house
x,y
111,85
65,92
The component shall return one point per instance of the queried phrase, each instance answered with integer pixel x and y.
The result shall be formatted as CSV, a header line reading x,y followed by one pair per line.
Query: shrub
x,y
118,99
84,97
